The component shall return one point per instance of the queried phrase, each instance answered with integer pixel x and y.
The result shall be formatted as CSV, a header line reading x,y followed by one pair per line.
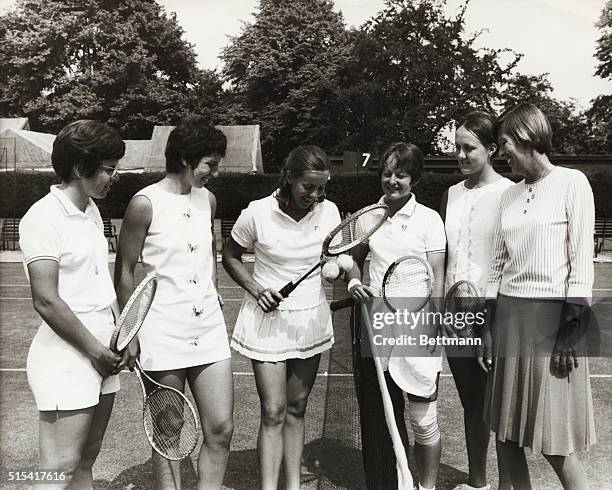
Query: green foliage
x,y
19,190
283,70
604,43
413,71
568,125
123,62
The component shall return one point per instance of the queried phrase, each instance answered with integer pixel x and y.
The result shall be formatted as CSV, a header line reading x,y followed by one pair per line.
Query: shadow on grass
x,y
334,464
140,477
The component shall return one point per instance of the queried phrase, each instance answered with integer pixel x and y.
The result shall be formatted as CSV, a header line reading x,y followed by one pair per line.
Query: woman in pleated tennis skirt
x,y
284,337
540,281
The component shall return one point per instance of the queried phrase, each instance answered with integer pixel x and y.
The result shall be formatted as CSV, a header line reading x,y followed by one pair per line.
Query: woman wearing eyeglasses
x,y
71,370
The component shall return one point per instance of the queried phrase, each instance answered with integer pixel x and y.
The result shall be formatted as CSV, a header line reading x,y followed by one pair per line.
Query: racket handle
x,y
341,303
287,289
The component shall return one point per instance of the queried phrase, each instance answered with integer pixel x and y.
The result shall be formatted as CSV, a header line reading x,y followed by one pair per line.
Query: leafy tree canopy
x,y
283,69
121,61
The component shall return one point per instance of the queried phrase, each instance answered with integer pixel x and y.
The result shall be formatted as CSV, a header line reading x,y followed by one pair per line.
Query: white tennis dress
x,y
185,325
301,326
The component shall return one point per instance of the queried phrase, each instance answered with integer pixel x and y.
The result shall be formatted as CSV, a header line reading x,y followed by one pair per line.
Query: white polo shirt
x,y
414,230
54,229
285,248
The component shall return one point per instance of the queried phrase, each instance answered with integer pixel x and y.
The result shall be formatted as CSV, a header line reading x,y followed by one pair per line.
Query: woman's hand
x,y
485,349
129,356
105,361
361,293
563,358
268,299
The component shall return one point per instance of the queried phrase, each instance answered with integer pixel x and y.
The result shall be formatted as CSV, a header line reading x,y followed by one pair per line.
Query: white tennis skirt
x,y
282,334
61,377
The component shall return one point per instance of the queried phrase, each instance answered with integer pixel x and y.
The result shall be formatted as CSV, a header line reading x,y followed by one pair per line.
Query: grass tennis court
x,y
332,432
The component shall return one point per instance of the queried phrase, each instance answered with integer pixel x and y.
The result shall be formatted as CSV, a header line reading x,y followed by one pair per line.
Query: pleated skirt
x,y
525,401
282,334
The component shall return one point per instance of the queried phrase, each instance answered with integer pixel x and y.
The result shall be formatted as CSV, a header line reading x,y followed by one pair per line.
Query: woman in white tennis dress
x,y
470,210
410,229
183,339
284,337
71,370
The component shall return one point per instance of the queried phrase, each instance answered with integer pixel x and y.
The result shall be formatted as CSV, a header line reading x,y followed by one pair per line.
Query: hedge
x,y
19,190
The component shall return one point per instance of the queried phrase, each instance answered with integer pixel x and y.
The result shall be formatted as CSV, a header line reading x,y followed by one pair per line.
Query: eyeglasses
x,y
110,170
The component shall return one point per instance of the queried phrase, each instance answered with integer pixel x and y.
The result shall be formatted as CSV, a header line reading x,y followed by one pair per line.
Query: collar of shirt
x,y
407,209
67,205
276,208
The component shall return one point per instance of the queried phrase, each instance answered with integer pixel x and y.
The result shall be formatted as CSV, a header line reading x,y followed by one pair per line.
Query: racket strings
x,y
171,423
408,285
136,312
356,230
464,298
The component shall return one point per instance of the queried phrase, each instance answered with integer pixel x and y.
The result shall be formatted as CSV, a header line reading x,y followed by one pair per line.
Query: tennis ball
x,y
345,262
330,271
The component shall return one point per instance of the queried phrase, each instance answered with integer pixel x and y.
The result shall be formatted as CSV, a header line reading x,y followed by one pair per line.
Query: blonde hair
x,y
528,126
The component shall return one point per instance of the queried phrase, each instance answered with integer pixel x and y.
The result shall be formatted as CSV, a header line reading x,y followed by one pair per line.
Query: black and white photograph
x,y
306,244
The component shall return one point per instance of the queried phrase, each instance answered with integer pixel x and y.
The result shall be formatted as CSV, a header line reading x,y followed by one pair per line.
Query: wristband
x,y
353,282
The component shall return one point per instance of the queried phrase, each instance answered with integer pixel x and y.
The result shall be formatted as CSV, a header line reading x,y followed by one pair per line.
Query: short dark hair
x,y
305,158
482,125
195,137
80,147
528,126
406,156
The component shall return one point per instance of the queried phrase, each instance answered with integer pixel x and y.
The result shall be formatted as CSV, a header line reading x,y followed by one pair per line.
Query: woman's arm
x,y
268,299
44,277
358,291
213,211
134,229
443,203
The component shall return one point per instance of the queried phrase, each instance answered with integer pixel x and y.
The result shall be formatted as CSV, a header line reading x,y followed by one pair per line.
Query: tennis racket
x,y
134,313
349,233
169,419
407,284
463,297
404,477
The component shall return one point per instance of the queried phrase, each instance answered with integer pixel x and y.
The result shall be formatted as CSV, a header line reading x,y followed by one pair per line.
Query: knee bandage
x,y
424,422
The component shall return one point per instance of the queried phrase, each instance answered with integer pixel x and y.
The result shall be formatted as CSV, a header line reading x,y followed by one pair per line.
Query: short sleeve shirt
x,y
54,229
414,230
285,248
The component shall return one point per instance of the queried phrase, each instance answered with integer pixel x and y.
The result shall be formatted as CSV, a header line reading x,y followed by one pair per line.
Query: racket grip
x,y
341,303
287,289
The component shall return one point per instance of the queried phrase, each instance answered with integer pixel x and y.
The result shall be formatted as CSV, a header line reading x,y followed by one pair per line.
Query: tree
x,y
599,115
569,127
413,71
283,69
121,61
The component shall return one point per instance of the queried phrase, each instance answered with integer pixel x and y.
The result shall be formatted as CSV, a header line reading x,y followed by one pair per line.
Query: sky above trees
x,y
556,36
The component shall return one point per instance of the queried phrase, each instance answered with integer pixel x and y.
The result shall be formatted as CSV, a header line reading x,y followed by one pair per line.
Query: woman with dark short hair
x,y
469,210
71,370
410,229
284,337
169,225
540,281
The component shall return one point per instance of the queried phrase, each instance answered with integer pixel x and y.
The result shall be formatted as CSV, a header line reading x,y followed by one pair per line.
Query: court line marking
x,y
321,375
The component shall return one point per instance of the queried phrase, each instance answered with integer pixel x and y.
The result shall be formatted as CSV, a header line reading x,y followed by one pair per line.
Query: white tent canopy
x,y
243,149
25,149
